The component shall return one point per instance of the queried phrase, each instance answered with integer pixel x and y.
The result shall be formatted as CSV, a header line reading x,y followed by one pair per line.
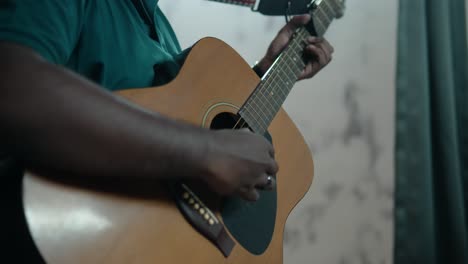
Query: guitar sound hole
x,y
227,120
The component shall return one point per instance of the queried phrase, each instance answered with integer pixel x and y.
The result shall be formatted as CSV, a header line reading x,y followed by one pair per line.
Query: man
x,y
59,61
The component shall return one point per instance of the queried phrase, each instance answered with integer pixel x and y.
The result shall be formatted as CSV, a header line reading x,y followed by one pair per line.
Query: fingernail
x,y
312,39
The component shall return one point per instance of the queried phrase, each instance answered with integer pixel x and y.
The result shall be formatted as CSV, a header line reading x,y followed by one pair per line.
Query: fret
x,y
259,98
274,92
319,26
279,78
256,111
278,91
270,99
266,85
298,64
278,94
282,95
252,122
326,19
264,118
296,45
264,97
299,46
289,78
328,7
327,11
338,7
256,122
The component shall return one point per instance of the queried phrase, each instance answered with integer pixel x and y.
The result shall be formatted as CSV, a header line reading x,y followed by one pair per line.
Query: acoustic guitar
x,y
178,222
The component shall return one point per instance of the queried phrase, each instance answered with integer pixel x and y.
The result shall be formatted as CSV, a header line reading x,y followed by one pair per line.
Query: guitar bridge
x,y
202,218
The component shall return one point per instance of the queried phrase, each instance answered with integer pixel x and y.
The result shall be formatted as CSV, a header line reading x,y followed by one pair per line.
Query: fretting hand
x,y
318,52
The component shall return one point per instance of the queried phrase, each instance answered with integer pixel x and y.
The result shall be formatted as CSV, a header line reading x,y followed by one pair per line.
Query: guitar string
x,y
259,92
272,83
282,71
275,86
255,96
268,86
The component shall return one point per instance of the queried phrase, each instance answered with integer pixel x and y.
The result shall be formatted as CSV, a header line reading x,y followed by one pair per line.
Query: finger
x,y
313,40
267,182
272,168
249,194
321,43
320,55
327,46
310,70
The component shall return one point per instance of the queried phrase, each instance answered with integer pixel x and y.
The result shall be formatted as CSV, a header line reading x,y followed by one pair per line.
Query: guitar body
x,y
70,224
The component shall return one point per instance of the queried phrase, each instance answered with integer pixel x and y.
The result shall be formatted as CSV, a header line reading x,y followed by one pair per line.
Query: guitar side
x,y
70,224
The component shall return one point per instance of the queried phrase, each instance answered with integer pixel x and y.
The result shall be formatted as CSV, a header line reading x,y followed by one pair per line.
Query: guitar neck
x,y
267,99
248,3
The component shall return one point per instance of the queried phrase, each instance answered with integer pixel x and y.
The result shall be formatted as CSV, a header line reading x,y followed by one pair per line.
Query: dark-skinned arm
x,y
54,120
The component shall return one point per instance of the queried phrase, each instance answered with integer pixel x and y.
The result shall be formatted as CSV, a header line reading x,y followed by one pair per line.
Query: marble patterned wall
x,y
346,116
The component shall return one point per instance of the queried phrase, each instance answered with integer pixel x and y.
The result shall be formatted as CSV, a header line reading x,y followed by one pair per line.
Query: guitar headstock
x,y
337,7
323,12
341,9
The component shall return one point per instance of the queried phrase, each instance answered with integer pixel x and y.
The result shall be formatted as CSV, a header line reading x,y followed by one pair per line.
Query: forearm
x,y
52,119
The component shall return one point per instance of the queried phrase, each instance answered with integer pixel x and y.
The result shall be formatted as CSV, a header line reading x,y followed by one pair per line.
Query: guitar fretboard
x,y
249,3
267,99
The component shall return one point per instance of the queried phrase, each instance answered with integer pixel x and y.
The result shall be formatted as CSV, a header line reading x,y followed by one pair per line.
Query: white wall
x,y
346,116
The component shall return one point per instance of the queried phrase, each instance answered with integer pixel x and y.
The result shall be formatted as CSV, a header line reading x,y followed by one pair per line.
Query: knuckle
x,y
275,166
272,167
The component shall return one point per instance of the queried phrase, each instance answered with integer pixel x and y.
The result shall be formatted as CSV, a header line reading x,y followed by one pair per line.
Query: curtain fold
x,y
431,152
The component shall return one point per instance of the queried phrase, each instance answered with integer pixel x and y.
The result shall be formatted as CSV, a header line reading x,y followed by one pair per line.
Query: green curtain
x,y
431,154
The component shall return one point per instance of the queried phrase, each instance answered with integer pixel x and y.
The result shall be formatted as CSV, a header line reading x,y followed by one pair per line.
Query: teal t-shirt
x,y
105,40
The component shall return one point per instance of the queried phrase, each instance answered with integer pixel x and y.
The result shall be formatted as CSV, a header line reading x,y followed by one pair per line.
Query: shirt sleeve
x,y
50,27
